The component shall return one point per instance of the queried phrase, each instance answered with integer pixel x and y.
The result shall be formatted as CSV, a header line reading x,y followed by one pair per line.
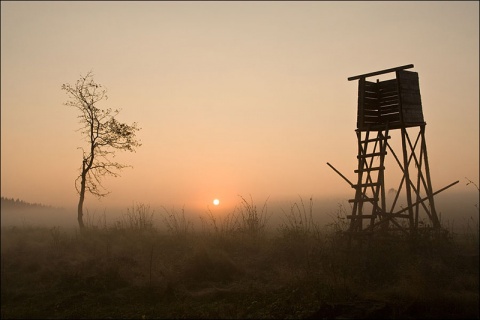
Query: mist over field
x,y
135,264
455,209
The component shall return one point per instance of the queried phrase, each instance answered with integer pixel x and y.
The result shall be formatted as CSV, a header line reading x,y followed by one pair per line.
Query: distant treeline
x,y
20,204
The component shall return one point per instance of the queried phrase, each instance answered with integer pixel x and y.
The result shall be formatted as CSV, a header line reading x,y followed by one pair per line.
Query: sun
x,y
216,202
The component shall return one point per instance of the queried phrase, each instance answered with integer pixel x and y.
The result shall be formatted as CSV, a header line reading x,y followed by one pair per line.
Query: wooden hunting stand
x,y
386,107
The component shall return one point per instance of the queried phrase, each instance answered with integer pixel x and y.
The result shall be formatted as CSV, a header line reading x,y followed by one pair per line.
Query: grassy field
x,y
234,267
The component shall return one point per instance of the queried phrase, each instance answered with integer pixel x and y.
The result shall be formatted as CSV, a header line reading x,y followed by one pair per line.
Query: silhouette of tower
x,y
385,109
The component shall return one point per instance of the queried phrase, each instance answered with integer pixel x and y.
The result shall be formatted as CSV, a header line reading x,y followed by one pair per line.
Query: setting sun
x,y
216,202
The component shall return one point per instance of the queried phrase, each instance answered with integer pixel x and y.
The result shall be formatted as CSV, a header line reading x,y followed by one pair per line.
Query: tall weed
x,y
176,223
138,217
220,227
299,221
252,222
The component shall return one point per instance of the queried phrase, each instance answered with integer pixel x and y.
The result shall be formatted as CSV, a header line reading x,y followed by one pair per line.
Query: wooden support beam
x,y
366,199
376,73
341,175
375,139
422,200
362,185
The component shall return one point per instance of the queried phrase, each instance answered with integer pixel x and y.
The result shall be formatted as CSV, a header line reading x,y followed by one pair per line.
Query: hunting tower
x,y
386,108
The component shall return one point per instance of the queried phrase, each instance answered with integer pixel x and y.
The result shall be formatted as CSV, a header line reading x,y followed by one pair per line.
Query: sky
x,y
233,98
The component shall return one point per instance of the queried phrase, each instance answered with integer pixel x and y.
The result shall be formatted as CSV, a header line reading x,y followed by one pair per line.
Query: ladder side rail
x,y
382,177
376,189
357,206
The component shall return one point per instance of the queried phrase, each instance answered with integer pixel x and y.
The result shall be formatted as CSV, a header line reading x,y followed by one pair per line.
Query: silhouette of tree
x,y
104,135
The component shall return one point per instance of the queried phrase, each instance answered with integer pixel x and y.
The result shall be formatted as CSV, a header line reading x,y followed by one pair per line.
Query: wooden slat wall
x,y
410,94
381,102
389,102
378,103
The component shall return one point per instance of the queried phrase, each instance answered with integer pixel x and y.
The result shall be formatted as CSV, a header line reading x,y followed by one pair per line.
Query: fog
x,y
456,210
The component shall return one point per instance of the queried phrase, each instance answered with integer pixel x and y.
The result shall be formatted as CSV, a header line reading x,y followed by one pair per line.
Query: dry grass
x,y
232,268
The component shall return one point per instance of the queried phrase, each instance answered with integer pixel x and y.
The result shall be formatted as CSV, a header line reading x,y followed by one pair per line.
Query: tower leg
x,y
407,178
429,191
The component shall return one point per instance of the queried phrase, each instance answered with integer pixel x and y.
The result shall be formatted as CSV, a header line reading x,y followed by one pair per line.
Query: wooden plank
x,y
370,102
374,113
369,169
388,112
391,125
389,99
389,106
370,95
376,73
423,199
391,92
387,94
340,174
390,109
370,108
370,98
371,120
388,103
382,126
369,155
390,117
370,84
375,139
375,184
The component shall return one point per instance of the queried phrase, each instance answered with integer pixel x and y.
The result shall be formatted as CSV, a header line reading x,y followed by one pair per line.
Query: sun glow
x,y
216,202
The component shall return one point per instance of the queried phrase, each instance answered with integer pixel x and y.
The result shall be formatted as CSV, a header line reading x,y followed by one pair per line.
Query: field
x,y
235,267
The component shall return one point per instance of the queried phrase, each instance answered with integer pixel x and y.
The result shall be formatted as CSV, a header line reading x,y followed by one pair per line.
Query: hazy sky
x,y
246,98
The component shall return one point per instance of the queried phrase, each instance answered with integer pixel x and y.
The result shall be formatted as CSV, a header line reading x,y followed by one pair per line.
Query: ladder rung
x,y
369,169
363,200
375,154
375,139
375,184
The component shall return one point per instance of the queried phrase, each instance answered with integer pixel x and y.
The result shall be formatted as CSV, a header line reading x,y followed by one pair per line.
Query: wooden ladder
x,y
370,187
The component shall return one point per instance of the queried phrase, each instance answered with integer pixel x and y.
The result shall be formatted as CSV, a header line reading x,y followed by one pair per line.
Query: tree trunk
x,y
80,211
82,198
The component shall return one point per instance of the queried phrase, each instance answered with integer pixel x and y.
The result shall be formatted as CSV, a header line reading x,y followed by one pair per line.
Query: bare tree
x,y
104,136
